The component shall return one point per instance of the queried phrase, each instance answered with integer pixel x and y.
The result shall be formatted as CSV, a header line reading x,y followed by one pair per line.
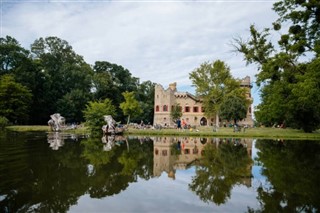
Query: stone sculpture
x,y
57,122
111,126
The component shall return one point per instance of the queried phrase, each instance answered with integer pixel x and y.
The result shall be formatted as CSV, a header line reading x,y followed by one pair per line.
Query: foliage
x,y
234,108
131,106
15,100
110,81
287,69
221,168
61,81
213,82
145,94
292,170
3,122
63,71
72,105
176,112
94,113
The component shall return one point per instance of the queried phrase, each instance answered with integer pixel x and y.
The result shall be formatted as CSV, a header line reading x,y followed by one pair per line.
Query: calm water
x,y
54,172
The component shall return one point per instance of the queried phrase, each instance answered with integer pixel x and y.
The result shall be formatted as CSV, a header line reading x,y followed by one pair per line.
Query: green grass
x,y
223,132
40,128
201,132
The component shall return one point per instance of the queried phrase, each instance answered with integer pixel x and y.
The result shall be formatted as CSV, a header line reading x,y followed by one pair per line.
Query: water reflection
x,y
34,178
110,141
292,170
56,139
220,163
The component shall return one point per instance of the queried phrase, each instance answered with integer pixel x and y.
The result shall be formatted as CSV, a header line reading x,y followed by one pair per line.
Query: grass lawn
x,y
261,132
228,132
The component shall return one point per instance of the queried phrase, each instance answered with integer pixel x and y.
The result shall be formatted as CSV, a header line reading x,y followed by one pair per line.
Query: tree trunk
x,y
128,120
217,120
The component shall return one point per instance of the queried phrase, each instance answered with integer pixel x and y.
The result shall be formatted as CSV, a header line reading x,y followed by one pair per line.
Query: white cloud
x,y
161,41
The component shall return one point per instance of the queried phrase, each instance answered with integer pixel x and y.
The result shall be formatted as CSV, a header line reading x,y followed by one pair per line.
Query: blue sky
x,y
160,41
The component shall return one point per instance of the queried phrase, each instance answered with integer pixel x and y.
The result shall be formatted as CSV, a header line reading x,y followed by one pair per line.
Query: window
x,y
202,109
249,109
164,152
195,109
157,108
187,109
165,108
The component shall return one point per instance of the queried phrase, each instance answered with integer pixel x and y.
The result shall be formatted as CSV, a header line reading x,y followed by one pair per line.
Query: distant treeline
x,y
51,77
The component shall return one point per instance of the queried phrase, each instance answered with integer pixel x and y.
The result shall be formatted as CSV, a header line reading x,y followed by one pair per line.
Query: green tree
x,y
145,94
15,100
176,112
110,81
17,61
3,122
12,55
213,81
291,169
220,169
63,71
130,106
286,68
94,112
234,108
72,105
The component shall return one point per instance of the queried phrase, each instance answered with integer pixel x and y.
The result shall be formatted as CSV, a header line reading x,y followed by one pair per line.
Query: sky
x,y
159,41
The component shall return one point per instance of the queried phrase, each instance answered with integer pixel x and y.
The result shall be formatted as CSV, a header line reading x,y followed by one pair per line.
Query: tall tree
x,y
130,106
110,81
145,92
63,71
17,61
287,68
15,100
213,81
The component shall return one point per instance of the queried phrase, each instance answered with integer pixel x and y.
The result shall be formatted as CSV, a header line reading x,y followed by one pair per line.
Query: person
x,y
184,124
179,123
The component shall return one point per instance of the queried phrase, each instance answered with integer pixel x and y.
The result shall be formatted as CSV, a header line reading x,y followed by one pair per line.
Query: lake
x,y
63,172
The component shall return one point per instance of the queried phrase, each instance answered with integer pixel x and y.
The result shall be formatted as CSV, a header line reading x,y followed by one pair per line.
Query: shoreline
x,y
259,132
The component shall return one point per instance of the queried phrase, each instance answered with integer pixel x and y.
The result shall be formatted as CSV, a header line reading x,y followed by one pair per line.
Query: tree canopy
x,y
288,69
234,108
130,106
15,100
213,82
61,81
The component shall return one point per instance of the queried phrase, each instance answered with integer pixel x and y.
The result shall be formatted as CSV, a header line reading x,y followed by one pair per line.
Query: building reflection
x,y
179,153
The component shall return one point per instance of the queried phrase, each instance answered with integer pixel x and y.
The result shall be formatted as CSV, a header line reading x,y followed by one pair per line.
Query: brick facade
x,y
191,105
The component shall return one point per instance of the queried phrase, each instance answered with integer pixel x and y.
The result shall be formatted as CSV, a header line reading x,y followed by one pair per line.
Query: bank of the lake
x,y
261,132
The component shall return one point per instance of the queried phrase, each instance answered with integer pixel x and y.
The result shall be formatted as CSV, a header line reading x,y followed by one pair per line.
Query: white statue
x,y
111,126
57,122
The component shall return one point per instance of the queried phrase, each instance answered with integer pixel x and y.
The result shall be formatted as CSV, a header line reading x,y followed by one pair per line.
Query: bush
x,y
3,122
94,113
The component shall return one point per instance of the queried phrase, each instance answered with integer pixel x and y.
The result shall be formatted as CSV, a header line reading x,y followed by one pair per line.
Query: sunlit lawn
x,y
261,132
226,131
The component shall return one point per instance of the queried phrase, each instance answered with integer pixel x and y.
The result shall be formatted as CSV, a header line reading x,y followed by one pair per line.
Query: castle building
x,y
191,106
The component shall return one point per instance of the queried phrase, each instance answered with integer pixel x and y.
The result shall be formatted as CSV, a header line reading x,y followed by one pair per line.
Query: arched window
x,y
249,109
165,108
157,108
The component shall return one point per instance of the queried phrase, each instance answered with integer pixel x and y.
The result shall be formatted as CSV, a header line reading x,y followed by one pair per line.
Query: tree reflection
x,y
35,178
113,170
220,169
293,171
